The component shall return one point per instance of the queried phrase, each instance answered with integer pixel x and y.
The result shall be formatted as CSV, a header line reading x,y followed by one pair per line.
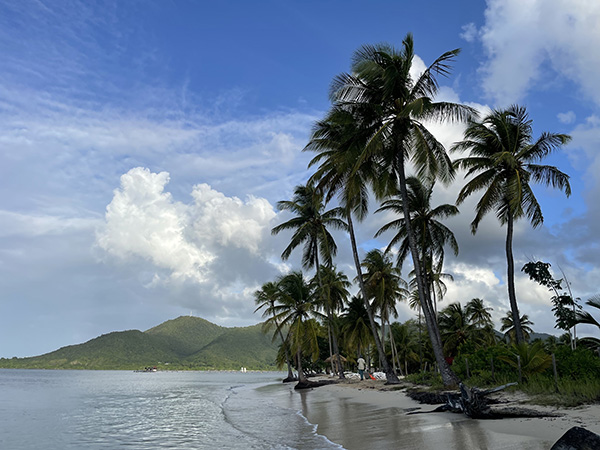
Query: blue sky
x,y
144,145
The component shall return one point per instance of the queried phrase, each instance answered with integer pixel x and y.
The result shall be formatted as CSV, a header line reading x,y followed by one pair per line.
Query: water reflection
x,y
357,425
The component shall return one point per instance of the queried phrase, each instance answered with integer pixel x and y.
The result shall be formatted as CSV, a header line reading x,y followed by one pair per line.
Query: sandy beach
x,y
367,414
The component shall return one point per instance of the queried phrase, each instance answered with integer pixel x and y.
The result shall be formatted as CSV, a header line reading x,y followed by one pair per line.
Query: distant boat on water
x,y
148,369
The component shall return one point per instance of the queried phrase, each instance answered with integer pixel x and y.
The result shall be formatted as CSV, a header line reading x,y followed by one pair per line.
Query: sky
x,y
144,146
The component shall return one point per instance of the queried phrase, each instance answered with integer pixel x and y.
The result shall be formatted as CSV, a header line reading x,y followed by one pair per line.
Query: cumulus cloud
x,y
525,39
144,221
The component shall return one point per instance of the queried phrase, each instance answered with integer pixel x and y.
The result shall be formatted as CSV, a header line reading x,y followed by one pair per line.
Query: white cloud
x,y
230,221
19,224
143,221
568,117
469,32
525,39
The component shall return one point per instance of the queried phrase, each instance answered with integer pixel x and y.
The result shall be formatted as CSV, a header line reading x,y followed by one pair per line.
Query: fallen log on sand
x,y
474,403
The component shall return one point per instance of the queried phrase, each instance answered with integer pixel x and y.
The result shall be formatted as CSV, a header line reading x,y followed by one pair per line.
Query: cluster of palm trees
x,y
373,135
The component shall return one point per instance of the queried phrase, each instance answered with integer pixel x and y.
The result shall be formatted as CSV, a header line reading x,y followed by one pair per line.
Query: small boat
x,y
148,369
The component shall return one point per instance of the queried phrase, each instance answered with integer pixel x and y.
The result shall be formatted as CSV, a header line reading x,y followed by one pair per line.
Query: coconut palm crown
x,y
399,107
503,161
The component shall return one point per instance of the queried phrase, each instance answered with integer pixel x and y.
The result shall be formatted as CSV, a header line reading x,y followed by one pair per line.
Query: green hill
x,y
186,335
182,343
247,347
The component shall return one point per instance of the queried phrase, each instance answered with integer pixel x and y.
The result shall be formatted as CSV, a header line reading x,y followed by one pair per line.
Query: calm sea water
x,y
64,410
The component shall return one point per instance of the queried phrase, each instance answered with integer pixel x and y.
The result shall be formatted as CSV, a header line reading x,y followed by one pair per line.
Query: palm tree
x,y
480,316
455,327
584,317
432,236
407,343
504,160
293,310
339,140
355,325
310,227
438,286
385,287
266,298
334,286
510,330
399,106
478,313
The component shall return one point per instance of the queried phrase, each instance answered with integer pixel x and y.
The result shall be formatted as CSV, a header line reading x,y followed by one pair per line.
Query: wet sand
x,y
359,415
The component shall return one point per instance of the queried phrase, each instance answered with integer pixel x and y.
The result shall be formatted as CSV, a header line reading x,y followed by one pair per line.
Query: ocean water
x,y
47,410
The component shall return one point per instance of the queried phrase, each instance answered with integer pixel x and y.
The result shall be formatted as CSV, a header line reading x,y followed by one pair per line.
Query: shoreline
x,y
368,414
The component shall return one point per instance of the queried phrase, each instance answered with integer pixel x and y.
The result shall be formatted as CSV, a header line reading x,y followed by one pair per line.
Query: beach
x,y
367,414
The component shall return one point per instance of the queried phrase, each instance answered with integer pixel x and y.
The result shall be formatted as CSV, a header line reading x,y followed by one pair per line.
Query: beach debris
x,y
308,384
578,438
474,403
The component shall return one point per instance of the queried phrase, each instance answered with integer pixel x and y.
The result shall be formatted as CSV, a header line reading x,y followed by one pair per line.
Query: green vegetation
x,y
185,343
374,133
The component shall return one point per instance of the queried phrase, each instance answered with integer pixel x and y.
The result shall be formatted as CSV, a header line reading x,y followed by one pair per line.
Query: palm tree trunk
x,y
287,355
330,319
512,296
330,345
301,377
395,359
391,376
448,376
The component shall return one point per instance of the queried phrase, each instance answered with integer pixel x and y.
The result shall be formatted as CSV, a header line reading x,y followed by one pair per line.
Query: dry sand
x,y
368,414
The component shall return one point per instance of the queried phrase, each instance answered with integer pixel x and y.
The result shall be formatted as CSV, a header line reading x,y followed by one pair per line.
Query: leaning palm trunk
x,y
512,296
448,376
391,376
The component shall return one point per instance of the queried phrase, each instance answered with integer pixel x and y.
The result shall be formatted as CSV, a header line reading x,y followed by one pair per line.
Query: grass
x,y
567,393
540,389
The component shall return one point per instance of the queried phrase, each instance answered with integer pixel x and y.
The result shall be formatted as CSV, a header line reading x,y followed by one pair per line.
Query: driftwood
x,y
307,384
474,403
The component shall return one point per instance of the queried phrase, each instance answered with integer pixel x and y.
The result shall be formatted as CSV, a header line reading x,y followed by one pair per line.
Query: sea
x,y
74,409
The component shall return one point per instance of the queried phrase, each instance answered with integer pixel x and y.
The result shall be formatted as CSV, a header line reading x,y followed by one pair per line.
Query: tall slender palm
x,y
432,236
334,292
310,227
503,161
266,298
293,310
510,329
339,140
385,287
381,80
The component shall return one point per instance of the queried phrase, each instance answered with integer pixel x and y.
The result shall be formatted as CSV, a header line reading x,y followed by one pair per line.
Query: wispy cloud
x,y
524,39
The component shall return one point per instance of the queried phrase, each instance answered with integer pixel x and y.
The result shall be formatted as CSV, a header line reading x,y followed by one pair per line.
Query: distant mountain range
x,y
183,343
